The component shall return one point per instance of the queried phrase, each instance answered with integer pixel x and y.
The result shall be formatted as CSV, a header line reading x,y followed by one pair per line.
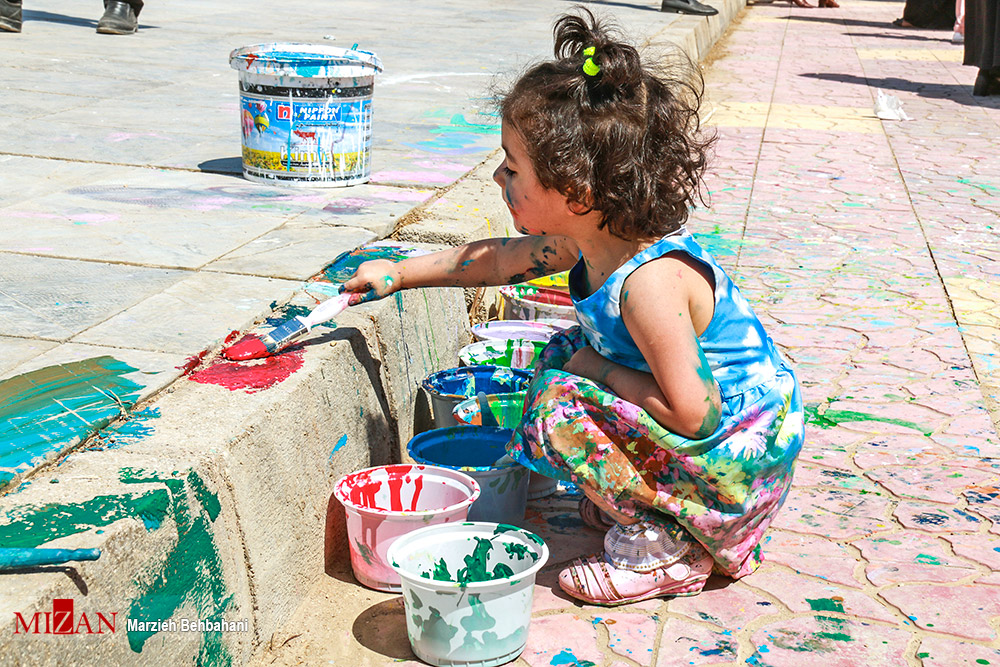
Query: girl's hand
x,y
587,362
373,280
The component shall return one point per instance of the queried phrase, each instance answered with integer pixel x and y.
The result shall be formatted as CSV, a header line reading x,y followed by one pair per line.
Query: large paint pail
x,y
527,302
534,330
385,502
507,410
450,387
475,451
467,591
306,113
511,353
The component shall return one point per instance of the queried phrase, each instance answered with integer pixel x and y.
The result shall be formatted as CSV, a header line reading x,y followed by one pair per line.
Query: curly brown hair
x,y
626,142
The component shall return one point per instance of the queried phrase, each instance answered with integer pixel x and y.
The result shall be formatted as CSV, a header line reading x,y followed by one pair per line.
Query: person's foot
x,y
593,516
902,23
688,7
10,16
987,83
119,19
958,38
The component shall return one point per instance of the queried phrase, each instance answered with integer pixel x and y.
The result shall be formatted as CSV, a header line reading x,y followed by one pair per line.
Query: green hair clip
x,y
590,68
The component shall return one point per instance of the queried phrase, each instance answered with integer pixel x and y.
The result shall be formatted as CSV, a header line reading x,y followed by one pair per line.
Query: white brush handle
x,y
327,310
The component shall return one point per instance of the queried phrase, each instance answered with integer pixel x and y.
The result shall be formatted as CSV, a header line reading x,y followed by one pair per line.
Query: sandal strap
x,y
577,564
607,578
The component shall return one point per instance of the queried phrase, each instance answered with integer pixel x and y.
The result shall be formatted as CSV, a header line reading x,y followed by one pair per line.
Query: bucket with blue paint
x,y
467,591
450,387
306,113
506,410
479,452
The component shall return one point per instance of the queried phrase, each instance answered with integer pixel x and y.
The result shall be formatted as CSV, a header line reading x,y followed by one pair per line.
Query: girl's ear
x,y
580,205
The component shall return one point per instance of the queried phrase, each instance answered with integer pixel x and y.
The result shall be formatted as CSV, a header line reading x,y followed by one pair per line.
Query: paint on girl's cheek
x,y
507,197
252,376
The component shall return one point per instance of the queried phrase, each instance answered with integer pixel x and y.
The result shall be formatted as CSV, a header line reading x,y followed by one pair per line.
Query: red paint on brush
x,y
249,347
252,377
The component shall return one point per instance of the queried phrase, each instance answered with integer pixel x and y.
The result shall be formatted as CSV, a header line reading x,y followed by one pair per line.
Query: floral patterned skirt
x,y
724,489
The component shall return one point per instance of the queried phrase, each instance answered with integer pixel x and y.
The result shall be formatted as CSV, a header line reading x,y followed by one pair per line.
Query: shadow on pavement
x,y
382,628
612,3
227,166
955,92
944,39
859,23
50,17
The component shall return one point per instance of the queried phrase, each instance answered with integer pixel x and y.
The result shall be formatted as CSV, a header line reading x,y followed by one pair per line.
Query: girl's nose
x,y
498,175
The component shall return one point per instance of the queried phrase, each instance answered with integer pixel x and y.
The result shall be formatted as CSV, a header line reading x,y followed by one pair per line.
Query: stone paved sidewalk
x,y
871,250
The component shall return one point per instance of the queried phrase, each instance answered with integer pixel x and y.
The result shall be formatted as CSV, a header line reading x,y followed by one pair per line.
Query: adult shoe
x,y
687,7
119,19
10,16
987,83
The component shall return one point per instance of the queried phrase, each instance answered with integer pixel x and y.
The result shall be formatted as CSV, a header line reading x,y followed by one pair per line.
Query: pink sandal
x,y
598,582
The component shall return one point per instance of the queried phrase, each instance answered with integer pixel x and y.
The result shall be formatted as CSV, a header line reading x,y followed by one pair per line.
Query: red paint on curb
x,y
252,376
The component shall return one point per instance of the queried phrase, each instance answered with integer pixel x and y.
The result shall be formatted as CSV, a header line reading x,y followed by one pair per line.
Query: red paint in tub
x,y
364,490
418,486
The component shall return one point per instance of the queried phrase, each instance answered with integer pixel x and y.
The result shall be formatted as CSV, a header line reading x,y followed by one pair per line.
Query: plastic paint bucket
x,y
507,329
507,410
450,387
510,353
306,113
527,302
558,281
474,450
467,591
385,502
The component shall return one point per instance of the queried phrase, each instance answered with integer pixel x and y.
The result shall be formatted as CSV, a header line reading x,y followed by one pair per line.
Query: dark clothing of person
x,y
930,14
982,34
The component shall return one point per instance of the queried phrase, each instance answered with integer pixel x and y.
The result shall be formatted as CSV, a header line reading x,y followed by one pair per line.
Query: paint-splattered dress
x,y
724,489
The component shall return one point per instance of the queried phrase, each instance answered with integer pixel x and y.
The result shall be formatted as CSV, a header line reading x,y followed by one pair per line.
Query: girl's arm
x,y
501,261
660,303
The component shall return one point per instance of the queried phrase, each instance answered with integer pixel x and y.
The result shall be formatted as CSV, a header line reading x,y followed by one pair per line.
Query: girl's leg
x,y
959,33
607,508
568,432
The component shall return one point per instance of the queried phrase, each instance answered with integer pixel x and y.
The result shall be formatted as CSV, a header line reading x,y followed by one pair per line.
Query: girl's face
x,y
536,210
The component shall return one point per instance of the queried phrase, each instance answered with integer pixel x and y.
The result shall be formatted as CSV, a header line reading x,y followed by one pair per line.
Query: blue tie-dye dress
x,y
724,489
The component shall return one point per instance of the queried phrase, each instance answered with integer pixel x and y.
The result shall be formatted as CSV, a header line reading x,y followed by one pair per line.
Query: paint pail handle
x,y
484,410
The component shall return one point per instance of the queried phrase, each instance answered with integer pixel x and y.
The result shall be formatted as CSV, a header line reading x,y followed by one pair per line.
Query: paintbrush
x,y
19,558
287,332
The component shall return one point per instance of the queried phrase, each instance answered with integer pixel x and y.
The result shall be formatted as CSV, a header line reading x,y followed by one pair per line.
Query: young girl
x,y
669,406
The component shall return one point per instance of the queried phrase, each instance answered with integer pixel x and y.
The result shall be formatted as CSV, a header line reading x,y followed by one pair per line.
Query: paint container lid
x,y
305,60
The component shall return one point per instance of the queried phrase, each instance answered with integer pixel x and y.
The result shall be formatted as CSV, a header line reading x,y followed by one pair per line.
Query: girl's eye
x,y
507,170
